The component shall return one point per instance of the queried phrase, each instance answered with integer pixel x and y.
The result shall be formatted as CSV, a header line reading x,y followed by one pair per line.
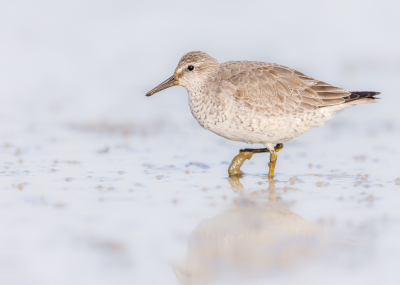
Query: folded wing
x,y
278,89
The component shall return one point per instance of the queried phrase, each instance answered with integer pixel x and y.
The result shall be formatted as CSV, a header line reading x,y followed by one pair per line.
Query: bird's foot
x,y
247,153
234,168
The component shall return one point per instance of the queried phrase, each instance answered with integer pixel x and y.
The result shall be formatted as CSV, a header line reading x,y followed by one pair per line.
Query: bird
x,y
257,102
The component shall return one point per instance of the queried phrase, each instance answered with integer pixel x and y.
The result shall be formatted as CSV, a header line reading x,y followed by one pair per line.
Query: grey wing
x,y
278,89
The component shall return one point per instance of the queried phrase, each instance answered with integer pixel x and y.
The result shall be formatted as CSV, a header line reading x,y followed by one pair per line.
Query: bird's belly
x,y
260,128
267,132
238,123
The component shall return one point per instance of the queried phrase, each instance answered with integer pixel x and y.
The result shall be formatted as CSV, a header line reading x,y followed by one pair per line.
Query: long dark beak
x,y
166,84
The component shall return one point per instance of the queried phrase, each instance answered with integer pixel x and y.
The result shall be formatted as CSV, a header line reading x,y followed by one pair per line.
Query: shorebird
x,y
257,102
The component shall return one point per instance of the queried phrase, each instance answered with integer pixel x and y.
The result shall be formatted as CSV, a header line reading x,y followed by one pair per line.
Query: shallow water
x,y
94,205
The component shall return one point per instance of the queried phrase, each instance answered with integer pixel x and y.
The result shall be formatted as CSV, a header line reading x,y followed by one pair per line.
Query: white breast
x,y
232,120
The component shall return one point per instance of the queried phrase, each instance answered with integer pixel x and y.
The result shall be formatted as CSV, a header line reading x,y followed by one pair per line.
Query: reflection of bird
x,y
247,241
257,102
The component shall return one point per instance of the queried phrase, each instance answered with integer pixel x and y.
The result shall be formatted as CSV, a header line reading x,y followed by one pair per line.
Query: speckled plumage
x,y
257,102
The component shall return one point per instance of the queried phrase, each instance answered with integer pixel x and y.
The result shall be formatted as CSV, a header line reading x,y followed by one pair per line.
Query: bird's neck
x,y
204,91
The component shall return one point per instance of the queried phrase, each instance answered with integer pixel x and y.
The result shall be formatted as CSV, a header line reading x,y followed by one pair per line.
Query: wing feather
x,y
276,89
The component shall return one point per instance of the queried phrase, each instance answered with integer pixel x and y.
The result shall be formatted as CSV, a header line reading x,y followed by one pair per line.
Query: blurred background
x,y
94,60
76,129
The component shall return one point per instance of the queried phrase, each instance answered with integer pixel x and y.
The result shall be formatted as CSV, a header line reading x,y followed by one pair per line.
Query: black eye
x,y
190,67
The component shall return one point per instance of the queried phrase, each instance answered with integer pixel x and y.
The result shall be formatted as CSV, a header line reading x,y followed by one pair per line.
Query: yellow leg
x,y
272,161
234,168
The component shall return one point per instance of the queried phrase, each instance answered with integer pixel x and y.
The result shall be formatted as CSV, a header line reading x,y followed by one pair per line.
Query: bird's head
x,y
192,71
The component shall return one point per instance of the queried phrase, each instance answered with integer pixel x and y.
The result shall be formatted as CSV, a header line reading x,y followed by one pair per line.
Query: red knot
x,y
257,102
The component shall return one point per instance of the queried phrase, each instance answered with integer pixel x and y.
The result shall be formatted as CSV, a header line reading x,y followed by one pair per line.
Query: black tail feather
x,y
355,95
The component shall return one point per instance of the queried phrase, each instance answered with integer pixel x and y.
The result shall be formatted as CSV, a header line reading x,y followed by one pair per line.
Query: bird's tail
x,y
357,95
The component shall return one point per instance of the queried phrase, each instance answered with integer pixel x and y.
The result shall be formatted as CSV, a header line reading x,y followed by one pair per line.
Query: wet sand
x,y
98,204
